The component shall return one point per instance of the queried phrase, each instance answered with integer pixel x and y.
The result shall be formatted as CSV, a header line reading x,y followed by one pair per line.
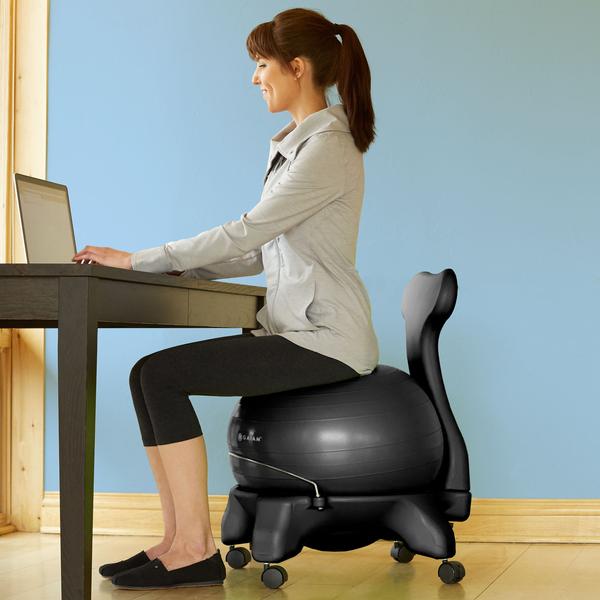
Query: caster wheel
x,y
237,557
451,571
274,577
401,553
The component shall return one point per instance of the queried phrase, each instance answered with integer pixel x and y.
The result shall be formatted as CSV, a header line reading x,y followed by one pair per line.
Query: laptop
x,y
46,223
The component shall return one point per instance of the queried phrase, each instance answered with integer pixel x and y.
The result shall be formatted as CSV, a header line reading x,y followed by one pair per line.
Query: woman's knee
x,y
136,372
156,373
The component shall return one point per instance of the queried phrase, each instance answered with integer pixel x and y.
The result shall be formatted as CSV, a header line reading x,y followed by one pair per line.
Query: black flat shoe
x,y
111,569
154,575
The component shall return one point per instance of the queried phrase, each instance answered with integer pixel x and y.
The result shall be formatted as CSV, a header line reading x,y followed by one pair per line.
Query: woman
x,y
316,324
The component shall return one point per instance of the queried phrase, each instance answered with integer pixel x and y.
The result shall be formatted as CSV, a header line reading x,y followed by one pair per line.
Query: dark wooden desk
x,y
78,299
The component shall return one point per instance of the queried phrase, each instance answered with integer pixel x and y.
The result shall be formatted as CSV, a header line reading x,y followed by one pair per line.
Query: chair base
x,y
278,527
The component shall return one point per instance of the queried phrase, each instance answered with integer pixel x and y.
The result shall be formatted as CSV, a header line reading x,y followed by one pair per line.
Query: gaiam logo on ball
x,y
248,437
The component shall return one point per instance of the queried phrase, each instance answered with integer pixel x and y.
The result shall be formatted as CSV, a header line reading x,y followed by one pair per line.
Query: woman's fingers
x,y
88,253
104,256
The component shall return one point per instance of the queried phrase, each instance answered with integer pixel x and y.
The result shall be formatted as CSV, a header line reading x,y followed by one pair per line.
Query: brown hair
x,y
307,33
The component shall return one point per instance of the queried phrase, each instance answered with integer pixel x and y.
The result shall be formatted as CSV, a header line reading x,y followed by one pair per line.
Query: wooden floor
x,y
29,570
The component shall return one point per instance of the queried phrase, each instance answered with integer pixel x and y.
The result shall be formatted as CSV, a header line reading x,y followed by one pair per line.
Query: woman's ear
x,y
299,66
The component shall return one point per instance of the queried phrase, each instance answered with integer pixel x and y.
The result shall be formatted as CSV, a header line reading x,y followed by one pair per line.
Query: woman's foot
x,y
159,549
154,575
112,569
183,554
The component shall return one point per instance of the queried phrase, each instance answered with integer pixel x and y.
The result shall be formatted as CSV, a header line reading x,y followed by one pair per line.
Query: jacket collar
x,y
287,140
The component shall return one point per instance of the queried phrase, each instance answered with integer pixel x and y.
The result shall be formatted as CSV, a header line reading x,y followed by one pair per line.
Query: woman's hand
x,y
108,257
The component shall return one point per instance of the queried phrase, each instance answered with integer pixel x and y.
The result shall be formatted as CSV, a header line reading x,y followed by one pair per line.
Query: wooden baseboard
x,y
491,520
5,525
125,514
532,520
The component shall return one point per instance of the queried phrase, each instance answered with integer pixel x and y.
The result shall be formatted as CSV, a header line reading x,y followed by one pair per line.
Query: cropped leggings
x,y
235,365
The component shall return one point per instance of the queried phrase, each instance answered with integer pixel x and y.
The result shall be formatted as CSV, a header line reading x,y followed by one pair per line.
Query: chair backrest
x,y
427,302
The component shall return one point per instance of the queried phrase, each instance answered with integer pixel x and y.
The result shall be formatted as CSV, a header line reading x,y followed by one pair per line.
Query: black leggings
x,y
235,365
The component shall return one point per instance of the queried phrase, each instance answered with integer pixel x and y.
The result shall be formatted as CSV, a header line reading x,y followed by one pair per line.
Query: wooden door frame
x,y
23,149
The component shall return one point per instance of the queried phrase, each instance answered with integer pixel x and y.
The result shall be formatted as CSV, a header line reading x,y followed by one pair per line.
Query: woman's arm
x,y
315,178
248,264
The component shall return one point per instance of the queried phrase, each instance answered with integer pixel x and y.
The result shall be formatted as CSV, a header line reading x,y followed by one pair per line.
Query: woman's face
x,y
278,88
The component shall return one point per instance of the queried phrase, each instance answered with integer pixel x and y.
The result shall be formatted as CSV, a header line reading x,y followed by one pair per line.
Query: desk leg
x,y
77,343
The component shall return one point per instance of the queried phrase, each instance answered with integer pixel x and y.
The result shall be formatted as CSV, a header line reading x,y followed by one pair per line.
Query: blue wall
x,y
486,161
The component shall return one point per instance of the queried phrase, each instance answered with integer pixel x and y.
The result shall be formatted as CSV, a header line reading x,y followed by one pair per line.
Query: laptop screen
x,y
46,220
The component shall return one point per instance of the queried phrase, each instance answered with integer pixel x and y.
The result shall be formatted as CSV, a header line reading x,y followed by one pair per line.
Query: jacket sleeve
x,y
314,178
248,264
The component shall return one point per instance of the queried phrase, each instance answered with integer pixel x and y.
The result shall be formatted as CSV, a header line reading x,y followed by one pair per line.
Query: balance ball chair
x,y
339,466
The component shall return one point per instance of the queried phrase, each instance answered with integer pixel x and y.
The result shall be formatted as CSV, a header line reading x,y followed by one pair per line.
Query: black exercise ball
x,y
376,434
